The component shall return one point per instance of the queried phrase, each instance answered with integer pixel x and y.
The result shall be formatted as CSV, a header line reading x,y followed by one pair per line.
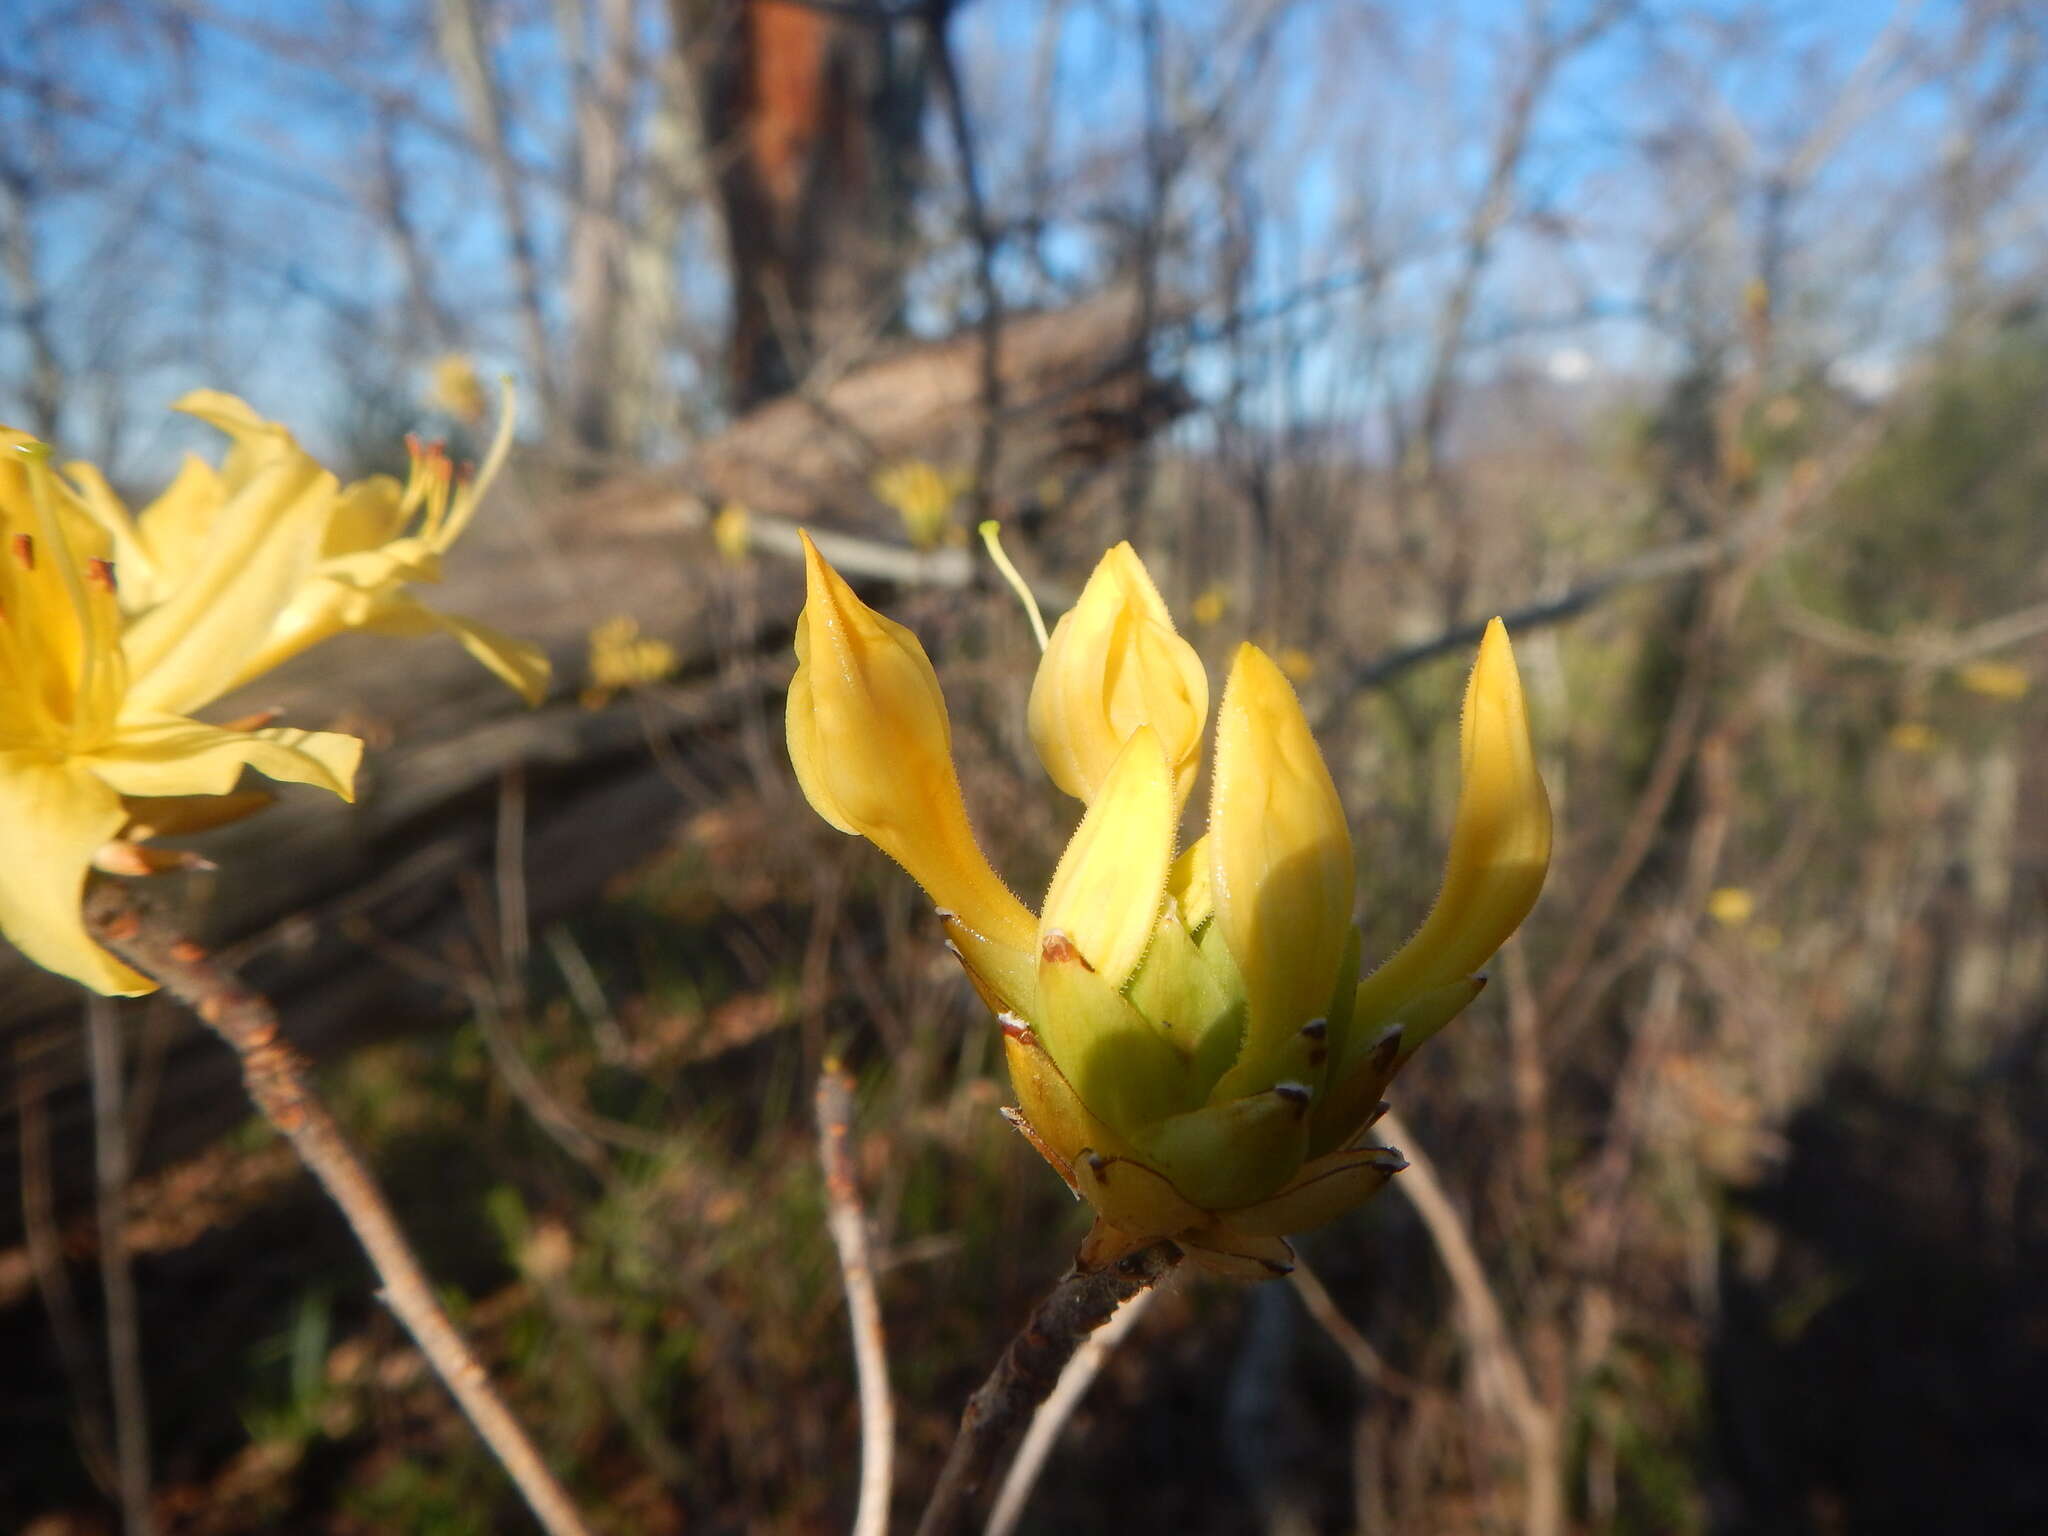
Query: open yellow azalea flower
x,y
381,537
94,702
923,496
1191,1045
115,628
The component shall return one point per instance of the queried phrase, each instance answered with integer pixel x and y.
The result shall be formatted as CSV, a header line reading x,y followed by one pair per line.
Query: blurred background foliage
x,y
1702,338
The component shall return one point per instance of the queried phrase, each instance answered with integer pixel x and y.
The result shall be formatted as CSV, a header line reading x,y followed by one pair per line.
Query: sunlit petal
x,y
54,816
1106,893
169,755
1500,842
1280,865
1114,663
872,747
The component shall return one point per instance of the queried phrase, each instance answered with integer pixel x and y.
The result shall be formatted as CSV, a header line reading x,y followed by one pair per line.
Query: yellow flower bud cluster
x,y
1191,1044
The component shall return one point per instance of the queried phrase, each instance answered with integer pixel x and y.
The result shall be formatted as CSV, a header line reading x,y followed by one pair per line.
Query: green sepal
x,y
1324,1189
1182,996
1117,1062
1373,1055
1235,1153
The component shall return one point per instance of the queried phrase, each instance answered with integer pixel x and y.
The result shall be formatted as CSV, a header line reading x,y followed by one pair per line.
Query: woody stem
x,y
1029,1369
279,1083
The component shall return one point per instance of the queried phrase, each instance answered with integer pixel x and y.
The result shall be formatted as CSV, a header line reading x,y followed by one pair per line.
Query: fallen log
x,y
305,890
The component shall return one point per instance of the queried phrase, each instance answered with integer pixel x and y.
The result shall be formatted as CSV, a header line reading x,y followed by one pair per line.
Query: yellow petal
x,y
1114,663
1280,866
519,664
260,548
140,581
1106,893
872,748
1324,1190
170,755
1500,841
54,816
174,528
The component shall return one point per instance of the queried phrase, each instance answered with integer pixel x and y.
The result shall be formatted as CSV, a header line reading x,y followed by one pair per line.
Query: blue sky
x,y
200,206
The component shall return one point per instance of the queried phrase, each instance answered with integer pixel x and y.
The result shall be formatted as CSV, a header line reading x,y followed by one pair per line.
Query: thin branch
x,y
1054,1412
117,1275
1928,651
1369,1364
1029,1370
279,1083
1660,564
937,15
46,1257
848,1225
1496,1364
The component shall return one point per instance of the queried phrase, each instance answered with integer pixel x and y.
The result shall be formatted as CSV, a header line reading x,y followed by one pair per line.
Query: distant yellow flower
x,y
621,657
453,386
923,497
732,531
380,537
1296,663
1190,1043
1731,906
1911,736
1210,607
1995,679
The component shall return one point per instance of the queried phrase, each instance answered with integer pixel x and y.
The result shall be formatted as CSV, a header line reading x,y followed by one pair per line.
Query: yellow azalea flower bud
x,y
1280,865
1115,663
872,747
1500,841
1106,893
1191,1048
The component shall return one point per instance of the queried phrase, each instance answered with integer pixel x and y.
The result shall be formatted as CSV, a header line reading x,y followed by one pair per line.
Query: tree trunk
x,y
812,118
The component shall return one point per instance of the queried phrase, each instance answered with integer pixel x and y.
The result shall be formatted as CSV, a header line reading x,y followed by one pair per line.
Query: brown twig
x,y
1370,1365
1053,1413
1497,1365
278,1082
1029,1370
117,1274
45,1246
849,1227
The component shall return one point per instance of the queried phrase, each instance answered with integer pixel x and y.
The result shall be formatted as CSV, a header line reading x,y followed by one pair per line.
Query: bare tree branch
x,y
848,1224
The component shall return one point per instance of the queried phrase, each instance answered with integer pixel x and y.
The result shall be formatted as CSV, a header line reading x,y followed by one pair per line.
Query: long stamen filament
x,y
992,536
